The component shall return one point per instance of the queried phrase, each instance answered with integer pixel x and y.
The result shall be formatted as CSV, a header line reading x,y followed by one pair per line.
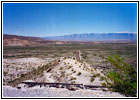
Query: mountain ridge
x,y
95,37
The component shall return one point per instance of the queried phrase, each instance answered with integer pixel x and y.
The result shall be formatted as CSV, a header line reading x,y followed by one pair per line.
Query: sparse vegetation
x,y
32,74
125,49
93,76
91,53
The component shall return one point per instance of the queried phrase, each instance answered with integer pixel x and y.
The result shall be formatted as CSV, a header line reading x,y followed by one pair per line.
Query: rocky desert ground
x,y
69,70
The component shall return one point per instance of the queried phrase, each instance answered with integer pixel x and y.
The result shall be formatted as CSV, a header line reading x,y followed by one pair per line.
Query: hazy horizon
x,y
70,34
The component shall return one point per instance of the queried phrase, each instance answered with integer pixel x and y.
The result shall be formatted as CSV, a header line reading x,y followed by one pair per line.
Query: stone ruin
x,y
78,55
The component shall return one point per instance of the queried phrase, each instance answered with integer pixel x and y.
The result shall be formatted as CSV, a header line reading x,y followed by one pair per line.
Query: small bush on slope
x,y
79,73
123,78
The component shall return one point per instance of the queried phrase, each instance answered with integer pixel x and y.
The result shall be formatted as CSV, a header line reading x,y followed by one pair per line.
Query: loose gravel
x,y
55,92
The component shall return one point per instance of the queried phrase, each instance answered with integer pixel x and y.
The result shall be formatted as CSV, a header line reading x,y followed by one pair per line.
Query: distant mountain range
x,y
96,37
15,40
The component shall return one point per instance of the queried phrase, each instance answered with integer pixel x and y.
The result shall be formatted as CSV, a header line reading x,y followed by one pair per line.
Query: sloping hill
x,y
70,70
14,40
63,70
7,36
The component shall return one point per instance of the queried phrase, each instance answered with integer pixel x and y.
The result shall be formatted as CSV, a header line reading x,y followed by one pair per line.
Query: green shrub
x,y
123,78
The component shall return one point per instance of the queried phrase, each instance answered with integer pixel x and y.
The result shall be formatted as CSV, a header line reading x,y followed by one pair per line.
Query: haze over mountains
x,y
96,37
87,38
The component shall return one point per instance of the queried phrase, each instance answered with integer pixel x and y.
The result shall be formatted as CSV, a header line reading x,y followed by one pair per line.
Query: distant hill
x,y
15,40
97,37
7,36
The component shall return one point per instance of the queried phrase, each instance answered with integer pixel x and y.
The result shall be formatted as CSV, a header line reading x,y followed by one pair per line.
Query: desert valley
x,y
60,68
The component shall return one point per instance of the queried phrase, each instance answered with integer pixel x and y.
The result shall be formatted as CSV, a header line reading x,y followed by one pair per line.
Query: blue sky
x,y
53,19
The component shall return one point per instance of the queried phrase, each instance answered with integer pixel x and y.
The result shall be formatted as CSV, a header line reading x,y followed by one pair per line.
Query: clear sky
x,y
53,19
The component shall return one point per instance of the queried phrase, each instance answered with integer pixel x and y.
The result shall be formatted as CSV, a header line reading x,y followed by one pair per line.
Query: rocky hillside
x,y
17,42
67,70
70,70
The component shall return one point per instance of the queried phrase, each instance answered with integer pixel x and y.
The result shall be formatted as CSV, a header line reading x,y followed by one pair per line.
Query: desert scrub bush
x,y
72,78
69,67
22,75
101,56
73,82
84,56
62,75
79,73
123,78
61,68
94,54
92,78
102,78
74,71
59,60
5,73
